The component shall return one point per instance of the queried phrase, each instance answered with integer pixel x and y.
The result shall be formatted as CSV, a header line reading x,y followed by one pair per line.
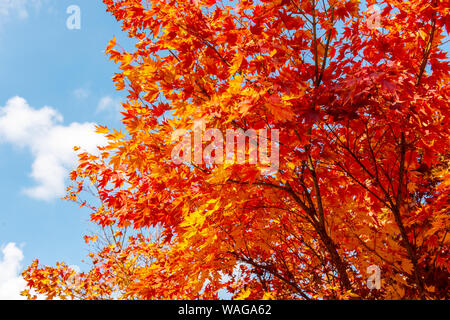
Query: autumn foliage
x,y
361,99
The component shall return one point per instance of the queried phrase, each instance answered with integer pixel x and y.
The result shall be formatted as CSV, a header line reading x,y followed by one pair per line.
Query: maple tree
x,y
363,179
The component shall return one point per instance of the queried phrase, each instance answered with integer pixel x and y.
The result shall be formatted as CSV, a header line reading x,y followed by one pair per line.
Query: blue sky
x,y
55,85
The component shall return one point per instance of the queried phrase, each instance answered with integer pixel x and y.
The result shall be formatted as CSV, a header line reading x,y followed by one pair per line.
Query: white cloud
x,y
19,8
11,282
81,93
109,104
50,142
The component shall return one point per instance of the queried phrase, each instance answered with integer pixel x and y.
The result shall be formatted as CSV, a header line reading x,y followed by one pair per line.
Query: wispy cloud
x,y
81,93
50,142
109,104
17,8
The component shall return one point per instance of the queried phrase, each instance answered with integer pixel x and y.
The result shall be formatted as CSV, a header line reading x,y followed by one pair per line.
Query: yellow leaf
x,y
236,63
423,34
235,84
101,129
268,296
243,294
291,165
